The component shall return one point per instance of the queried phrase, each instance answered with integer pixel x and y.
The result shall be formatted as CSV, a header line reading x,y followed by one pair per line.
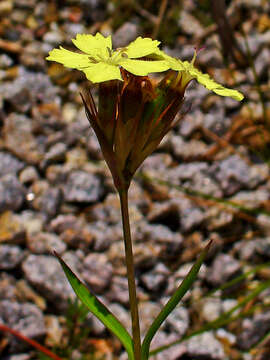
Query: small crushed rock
x,y
56,192
25,318
45,274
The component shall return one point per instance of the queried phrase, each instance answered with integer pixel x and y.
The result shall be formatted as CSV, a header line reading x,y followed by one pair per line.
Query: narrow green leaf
x,y
98,309
172,303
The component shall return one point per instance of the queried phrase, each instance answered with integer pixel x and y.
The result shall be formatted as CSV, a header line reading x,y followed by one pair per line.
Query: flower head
x,y
134,112
131,119
187,72
101,63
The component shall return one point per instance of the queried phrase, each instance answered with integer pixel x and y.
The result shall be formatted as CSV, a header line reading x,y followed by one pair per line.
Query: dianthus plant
x,y
133,114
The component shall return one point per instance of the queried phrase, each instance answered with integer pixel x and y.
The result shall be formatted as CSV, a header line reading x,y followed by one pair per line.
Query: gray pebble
x,y
26,318
148,311
187,150
19,139
45,274
178,321
233,174
12,193
125,34
45,243
28,175
251,199
262,246
223,269
118,291
82,187
172,353
155,281
5,61
97,272
53,37
253,329
218,220
55,154
10,256
7,286
170,243
205,346
34,85
48,201
9,164
211,308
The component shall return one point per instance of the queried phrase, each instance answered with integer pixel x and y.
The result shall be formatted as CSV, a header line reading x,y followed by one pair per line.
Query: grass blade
x,y
172,303
97,308
198,194
31,342
223,320
238,279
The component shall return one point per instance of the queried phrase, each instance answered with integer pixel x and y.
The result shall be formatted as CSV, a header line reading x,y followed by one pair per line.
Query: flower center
x,y
109,57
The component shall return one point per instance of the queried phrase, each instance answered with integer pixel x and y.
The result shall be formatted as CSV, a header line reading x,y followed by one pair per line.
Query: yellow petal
x,y
143,67
68,58
102,72
173,63
210,84
193,73
93,45
222,91
141,47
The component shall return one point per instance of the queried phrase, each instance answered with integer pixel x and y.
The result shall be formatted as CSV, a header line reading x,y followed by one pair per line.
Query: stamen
x,y
93,60
194,57
116,56
197,51
178,79
109,51
100,57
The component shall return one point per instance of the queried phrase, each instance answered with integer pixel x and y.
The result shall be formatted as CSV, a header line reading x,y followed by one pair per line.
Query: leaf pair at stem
x,y
97,308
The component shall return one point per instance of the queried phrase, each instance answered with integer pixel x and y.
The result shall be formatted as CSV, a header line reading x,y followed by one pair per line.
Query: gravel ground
x,y
56,192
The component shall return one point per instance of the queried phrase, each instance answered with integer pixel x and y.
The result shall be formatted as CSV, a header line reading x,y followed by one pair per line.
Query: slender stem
x,y
161,13
123,194
229,44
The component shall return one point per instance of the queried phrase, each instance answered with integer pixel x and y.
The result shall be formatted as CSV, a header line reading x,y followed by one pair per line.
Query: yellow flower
x,y
187,72
100,63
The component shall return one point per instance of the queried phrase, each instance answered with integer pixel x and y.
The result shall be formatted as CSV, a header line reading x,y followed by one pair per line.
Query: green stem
x,y
123,194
